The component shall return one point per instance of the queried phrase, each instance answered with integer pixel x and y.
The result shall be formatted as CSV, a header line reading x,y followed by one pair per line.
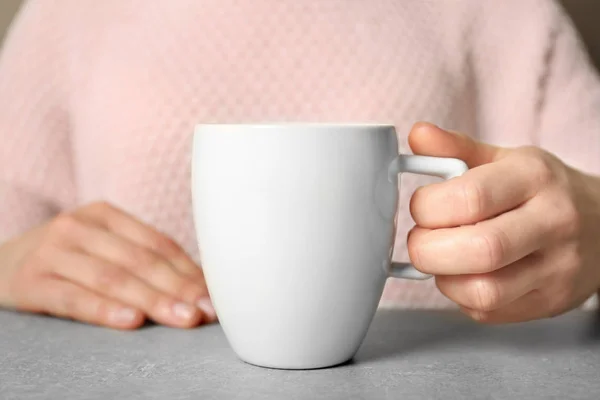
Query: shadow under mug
x,y
295,226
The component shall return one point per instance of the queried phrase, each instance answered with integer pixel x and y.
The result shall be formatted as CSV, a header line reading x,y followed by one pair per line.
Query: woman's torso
x,y
142,74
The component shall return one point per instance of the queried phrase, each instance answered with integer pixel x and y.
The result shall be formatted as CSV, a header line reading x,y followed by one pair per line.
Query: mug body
x,y
295,226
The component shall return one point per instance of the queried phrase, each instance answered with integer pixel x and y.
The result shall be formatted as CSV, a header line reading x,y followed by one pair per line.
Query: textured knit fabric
x,y
98,99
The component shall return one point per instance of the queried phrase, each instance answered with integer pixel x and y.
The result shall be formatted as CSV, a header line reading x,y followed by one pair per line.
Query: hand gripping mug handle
x,y
446,168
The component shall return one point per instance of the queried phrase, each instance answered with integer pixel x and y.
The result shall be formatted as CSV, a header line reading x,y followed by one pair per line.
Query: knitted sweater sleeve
x,y
36,177
535,82
570,105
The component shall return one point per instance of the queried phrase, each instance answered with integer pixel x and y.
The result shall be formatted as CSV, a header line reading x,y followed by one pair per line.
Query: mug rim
x,y
328,125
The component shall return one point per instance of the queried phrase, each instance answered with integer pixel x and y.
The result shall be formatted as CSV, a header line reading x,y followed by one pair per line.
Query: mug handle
x,y
446,168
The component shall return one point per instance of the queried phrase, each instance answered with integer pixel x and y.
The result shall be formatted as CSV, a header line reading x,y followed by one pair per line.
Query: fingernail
x,y
183,311
124,315
421,124
456,133
207,308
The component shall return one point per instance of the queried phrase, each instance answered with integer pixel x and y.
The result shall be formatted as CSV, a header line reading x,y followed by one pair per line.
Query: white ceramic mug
x,y
295,226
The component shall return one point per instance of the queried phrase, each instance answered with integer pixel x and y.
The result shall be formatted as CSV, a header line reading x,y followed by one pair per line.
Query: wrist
x,y
586,194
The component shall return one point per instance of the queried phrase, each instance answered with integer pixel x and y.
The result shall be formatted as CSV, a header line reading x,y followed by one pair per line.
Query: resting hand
x,y
102,266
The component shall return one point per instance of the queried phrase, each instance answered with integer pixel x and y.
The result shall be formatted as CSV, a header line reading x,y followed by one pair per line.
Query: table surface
x,y
406,355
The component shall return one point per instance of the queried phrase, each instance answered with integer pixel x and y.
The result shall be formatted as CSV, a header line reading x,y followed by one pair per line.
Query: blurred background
x,y
585,14
7,11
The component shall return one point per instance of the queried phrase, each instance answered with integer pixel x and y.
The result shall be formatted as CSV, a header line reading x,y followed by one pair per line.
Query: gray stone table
x,y
406,355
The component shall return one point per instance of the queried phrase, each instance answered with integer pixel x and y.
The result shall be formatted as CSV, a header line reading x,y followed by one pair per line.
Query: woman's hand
x,y
102,266
515,238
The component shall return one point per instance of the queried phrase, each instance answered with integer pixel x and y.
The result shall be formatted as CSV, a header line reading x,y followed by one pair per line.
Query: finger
x,y
480,248
119,284
559,290
140,261
494,290
430,140
479,194
128,227
68,300
534,305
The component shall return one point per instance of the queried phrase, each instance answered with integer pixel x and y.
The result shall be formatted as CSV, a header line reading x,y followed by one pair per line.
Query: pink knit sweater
x,y
98,99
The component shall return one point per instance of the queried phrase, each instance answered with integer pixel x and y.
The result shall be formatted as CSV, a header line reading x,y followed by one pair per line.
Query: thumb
x,y
429,140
